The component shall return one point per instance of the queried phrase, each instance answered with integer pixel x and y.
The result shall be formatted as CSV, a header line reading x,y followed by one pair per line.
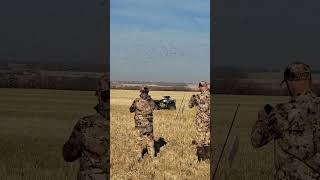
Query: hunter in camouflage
x,y
89,140
294,127
202,103
143,108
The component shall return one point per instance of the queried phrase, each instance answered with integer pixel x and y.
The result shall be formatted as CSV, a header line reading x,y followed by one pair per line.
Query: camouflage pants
x,y
144,141
203,137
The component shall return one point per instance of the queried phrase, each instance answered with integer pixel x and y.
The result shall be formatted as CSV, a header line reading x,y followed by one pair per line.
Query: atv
x,y
166,103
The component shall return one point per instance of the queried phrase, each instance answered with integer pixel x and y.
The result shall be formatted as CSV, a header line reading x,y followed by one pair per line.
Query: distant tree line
x,y
155,88
53,82
236,87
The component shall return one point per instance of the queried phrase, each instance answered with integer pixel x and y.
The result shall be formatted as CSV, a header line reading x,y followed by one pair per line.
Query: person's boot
x,y
201,153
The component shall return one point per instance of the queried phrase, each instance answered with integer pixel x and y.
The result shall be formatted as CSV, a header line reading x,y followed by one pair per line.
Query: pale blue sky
x,y
160,40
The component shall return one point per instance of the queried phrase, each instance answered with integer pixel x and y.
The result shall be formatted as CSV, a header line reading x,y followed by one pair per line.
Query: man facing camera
x,y
294,127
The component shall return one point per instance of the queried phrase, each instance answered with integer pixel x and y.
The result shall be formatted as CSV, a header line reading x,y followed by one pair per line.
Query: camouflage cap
x,y
144,89
203,84
297,71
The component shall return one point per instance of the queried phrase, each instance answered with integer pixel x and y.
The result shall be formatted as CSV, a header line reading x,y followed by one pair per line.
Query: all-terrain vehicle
x,y
166,103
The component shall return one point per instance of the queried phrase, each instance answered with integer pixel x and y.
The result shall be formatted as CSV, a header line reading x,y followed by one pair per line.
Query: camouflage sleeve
x,y
191,102
133,107
206,106
153,104
73,147
266,128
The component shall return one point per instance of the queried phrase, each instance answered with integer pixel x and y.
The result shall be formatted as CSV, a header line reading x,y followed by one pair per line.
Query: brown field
x,y
177,160
34,126
249,163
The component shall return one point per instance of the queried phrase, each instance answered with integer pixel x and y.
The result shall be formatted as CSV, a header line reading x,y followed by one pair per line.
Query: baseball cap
x,y
296,71
202,84
144,89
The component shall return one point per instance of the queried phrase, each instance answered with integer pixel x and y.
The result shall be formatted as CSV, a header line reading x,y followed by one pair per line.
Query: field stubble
x,y
34,126
249,163
176,160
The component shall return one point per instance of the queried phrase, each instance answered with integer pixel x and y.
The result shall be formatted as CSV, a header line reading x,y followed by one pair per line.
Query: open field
x,y
249,163
34,126
177,160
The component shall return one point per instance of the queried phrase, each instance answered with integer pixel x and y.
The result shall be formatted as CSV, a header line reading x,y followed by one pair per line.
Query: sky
x,y
160,40
268,33
42,30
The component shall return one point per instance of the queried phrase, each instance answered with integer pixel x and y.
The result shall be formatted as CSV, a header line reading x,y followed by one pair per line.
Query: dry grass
x,y
249,163
34,125
177,160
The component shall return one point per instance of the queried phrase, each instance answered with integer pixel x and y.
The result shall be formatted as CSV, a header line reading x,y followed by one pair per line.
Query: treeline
x,y
59,83
62,65
236,87
155,88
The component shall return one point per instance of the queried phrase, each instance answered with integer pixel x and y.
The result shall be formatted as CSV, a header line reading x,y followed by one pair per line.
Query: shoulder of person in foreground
x,y
72,149
271,122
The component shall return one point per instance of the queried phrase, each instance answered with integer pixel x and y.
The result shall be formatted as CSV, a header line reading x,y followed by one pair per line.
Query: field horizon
x,y
35,124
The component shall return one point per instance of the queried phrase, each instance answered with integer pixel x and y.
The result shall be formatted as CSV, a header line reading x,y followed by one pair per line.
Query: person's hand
x,y
265,112
268,108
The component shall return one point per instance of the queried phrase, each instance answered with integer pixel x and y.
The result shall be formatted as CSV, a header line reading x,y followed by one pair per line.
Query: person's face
x,y
298,86
290,87
202,88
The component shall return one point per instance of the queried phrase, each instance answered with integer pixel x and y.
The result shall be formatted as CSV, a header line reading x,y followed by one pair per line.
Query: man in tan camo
x,y
89,140
202,103
143,108
294,126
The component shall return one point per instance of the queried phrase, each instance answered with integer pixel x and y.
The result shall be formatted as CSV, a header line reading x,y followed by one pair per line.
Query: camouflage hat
x,y
144,89
203,84
297,71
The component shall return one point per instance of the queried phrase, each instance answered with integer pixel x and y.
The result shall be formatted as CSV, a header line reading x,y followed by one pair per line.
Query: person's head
x,y
203,86
297,76
144,90
103,91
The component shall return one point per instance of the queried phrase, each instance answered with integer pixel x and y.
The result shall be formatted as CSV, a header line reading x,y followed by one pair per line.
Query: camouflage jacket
x,y
143,108
89,142
202,103
295,129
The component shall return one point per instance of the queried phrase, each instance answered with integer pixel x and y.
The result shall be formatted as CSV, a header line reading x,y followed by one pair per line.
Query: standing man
x,y
202,103
89,140
294,127
143,108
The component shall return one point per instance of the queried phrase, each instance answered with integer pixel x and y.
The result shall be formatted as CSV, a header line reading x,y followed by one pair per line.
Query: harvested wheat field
x,y
249,163
176,160
34,126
